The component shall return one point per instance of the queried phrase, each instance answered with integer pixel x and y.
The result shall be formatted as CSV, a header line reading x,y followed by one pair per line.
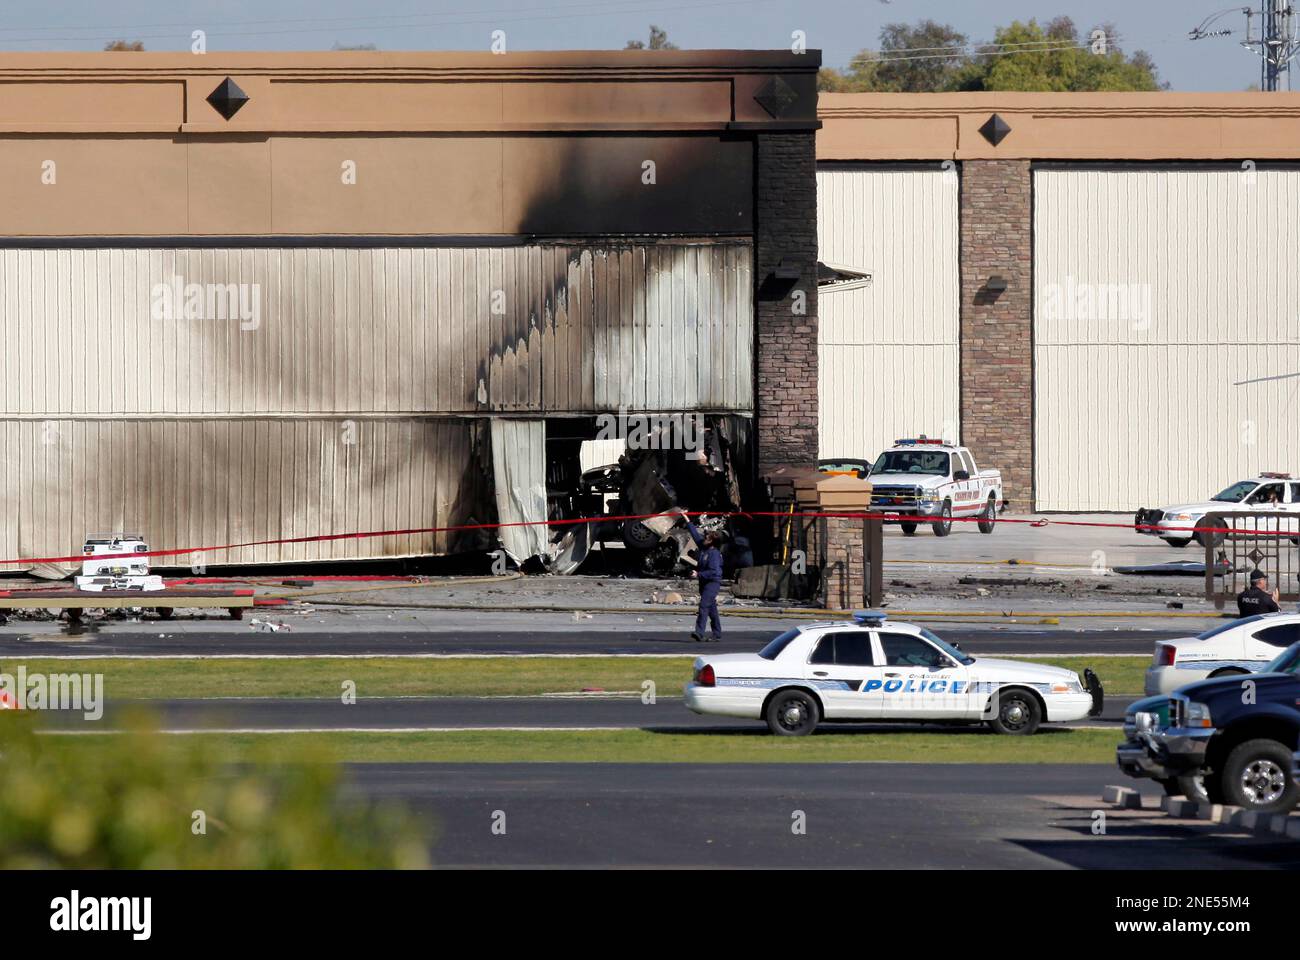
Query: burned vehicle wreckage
x,y
693,461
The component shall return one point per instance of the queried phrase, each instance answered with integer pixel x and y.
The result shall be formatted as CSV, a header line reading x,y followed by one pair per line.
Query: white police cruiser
x,y
1269,493
874,669
1237,647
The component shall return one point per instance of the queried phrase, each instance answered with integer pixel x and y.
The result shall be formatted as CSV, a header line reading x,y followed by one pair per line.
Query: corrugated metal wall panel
x,y
208,482
519,484
888,350
1156,290
552,329
892,400
198,432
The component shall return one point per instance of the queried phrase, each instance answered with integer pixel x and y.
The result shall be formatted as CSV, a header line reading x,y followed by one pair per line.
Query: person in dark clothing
x,y
708,571
1257,598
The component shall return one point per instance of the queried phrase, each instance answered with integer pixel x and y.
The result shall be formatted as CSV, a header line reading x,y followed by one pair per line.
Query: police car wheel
x,y
1227,672
792,713
1215,538
909,529
1016,713
1256,776
988,517
943,526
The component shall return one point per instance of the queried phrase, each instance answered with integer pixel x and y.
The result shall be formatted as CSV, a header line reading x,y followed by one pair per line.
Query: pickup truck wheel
x,y
908,528
988,519
1191,786
943,527
1016,713
791,713
1257,776
1179,542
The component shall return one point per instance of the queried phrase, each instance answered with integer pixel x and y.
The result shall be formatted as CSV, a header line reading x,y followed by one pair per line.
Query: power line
x,y
592,9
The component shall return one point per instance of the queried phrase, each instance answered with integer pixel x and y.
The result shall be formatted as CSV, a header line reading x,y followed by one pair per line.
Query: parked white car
x,y
1238,647
934,481
1267,493
878,669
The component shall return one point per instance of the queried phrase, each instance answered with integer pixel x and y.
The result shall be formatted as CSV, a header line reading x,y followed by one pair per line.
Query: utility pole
x,y
1275,43
1273,39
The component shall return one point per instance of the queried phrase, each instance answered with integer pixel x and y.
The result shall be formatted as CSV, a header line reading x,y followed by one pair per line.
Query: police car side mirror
x,y
961,475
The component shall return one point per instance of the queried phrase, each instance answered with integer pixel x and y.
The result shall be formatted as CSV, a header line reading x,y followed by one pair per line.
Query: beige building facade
x,y
1127,325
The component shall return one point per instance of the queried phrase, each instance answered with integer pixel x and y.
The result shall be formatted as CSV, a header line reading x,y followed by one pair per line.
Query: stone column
x,y
785,292
997,371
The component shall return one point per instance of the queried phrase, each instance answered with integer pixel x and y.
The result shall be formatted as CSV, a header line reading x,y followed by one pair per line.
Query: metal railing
x,y
1239,543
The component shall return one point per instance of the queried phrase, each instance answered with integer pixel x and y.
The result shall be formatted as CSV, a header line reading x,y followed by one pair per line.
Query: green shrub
x,y
136,800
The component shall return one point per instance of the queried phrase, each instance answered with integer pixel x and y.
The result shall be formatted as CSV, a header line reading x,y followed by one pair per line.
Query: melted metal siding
x,y
203,431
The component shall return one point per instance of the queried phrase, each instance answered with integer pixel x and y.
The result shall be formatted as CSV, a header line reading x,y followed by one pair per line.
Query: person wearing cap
x,y
708,573
1257,598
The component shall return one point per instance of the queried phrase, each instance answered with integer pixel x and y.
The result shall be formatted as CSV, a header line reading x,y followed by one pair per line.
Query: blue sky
x,y
838,27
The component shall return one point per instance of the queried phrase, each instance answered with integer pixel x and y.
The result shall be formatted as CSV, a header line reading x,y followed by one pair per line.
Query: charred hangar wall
x,y
431,242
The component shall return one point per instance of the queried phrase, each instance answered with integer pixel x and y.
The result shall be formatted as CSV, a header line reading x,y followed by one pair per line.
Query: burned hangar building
x,y
257,297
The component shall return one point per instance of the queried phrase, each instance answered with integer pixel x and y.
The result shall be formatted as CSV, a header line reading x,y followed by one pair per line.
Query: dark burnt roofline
x,y
341,240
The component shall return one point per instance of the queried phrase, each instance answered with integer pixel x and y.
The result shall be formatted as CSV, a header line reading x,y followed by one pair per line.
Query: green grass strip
x,y
323,678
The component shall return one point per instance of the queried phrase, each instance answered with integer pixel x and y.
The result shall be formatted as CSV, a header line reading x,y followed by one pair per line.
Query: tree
x,y
658,41
129,46
1056,58
930,57
911,59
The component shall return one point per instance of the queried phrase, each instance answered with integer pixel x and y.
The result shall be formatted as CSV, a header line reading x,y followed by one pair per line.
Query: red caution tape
x,y
749,514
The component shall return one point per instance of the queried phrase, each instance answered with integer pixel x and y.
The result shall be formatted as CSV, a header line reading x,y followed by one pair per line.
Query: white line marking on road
x,y
357,656
233,730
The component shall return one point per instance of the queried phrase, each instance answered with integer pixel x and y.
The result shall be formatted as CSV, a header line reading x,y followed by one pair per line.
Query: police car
x,y
1238,647
875,669
1268,493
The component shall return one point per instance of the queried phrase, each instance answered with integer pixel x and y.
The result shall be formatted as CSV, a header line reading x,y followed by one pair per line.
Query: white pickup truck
x,y
935,481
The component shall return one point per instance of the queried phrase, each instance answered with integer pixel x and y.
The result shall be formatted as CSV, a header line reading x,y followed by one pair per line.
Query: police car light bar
x,y
870,618
1276,476
913,441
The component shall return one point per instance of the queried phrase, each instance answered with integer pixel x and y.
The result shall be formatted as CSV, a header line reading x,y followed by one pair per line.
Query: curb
x,y
1180,808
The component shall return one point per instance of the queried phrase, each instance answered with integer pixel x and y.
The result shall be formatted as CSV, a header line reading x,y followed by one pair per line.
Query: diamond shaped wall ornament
x,y
227,99
776,97
995,129
1255,556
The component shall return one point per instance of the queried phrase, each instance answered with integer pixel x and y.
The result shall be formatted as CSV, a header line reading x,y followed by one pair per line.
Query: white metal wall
x,y
351,400
888,350
1156,291
554,328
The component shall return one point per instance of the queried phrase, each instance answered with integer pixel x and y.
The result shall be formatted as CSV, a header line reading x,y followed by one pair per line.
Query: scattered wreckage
x,y
651,477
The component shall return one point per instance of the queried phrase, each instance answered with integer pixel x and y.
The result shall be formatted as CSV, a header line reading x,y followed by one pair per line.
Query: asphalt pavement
x,y
362,639
852,815
447,713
